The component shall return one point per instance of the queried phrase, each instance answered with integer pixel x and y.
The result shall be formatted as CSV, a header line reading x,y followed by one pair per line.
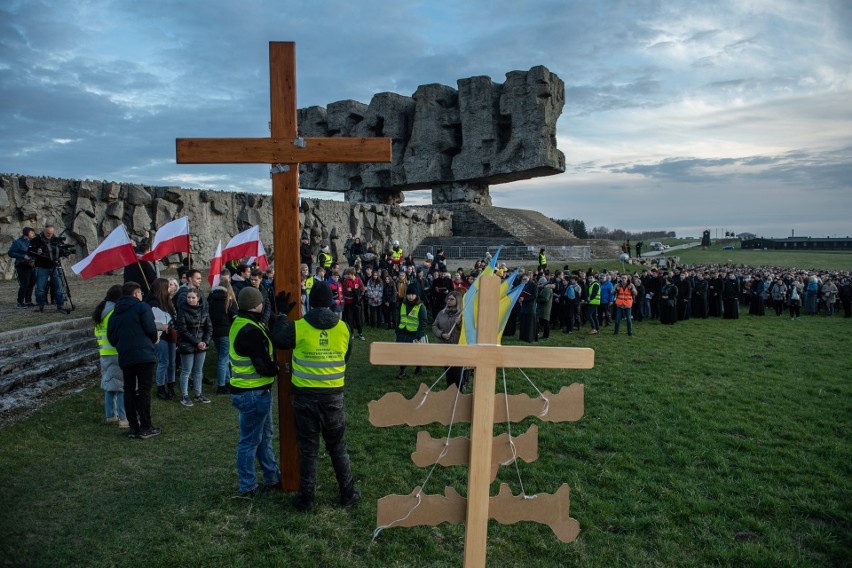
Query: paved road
x,y
650,253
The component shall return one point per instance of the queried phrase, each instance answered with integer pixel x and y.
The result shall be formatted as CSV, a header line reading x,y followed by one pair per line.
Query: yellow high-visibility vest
x,y
104,346
409,321
319,357
243,373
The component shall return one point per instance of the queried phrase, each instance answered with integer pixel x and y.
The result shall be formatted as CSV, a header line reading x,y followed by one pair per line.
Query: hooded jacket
x,y
283,336
132,332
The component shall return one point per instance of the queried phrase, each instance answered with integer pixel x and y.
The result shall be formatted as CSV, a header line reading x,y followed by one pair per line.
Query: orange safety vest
x,y
623,297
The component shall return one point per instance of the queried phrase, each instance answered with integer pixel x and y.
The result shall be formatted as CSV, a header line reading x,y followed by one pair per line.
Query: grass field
x,y
709,442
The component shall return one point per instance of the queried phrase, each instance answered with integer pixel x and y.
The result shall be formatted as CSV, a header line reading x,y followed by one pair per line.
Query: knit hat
x,y
412,289
542,281
250,298
321,295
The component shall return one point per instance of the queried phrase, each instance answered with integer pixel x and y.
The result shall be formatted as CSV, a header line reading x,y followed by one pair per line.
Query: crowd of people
x,y
160,333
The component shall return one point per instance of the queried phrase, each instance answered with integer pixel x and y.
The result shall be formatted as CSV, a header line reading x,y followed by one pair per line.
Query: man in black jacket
x,y
321,344
143,272
131,330
44,248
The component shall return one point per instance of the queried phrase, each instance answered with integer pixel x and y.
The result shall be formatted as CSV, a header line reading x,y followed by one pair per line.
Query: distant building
x,y
746,236
798,243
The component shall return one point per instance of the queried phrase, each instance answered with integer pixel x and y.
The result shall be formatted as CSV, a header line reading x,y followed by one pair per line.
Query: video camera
x,y
65,250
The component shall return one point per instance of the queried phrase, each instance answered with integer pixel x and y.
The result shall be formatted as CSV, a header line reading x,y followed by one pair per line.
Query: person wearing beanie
x,y
413,322
253,371
321,344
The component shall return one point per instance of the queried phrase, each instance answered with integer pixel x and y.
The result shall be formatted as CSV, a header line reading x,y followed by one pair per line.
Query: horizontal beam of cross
x,y
482,356
282,151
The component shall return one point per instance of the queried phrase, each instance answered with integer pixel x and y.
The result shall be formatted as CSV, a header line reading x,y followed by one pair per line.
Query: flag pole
x,y
142,272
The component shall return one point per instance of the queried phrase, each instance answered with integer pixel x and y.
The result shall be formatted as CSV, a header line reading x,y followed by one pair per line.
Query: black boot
x,y
304,502
350,496
161,393
171,391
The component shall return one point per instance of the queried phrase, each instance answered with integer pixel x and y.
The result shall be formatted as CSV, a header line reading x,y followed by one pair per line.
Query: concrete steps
x,y
35,360
501,224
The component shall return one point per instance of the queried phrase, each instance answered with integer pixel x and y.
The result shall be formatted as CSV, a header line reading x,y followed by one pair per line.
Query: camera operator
x,y
46,249
24,266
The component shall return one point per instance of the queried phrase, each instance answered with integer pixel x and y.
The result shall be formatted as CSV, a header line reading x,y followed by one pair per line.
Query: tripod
x,y
63,284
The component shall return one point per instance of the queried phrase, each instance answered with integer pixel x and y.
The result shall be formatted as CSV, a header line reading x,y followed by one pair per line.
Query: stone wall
x,y
86,211
453,141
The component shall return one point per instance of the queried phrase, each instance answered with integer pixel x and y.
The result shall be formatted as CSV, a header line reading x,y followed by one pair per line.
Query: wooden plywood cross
x,y
483,450
284,148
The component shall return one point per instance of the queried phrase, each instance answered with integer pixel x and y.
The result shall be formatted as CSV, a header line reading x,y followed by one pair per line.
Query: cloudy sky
x,y
680,115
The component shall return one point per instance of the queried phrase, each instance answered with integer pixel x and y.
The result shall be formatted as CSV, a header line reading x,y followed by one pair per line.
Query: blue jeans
x,y
191,363
165,353
592,315
42,276
114,404
628,315
223,366
255,408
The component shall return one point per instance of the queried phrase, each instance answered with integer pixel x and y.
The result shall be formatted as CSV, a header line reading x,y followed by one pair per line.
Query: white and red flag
x,y
243,245
260,259
171,238
215,266
116,251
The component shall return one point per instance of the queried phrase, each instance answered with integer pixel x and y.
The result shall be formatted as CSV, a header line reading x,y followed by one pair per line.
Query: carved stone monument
x,y
456,142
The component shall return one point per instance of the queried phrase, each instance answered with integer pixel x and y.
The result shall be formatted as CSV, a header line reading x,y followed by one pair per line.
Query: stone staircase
x,y
513,227
36,360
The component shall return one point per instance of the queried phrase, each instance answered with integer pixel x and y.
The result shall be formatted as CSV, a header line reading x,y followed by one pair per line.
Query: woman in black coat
x,y
223,309
195,330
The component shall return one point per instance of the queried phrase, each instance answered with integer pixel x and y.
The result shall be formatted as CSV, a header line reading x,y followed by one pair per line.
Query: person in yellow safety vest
x,y
253,371
542,259
396,256
321,344
413,322
309,284
112,378
324,258
594,300
625,293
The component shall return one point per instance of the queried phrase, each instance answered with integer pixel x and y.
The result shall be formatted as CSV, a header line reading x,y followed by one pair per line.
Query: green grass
x,y
711,442
826,260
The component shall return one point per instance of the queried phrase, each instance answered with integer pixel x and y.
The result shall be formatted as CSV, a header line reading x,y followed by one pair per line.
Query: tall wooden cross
x,y
485,357
284,147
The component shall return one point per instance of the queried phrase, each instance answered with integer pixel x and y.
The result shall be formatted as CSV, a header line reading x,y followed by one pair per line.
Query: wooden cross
x,y
485,357
284,148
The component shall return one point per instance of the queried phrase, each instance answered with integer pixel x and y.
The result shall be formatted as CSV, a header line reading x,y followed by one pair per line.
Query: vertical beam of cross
x,y
280,148
482,429
285,239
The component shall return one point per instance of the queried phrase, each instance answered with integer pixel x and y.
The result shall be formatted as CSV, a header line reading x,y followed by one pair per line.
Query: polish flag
x,y
260,259
243,245
215,266
171,238
116,251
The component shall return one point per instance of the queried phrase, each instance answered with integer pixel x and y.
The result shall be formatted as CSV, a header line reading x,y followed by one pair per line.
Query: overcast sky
x,y
679,115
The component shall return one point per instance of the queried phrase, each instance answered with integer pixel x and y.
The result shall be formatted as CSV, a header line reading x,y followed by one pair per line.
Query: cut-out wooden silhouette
x,y
286,151
428,406
485,357
429,450
505,508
